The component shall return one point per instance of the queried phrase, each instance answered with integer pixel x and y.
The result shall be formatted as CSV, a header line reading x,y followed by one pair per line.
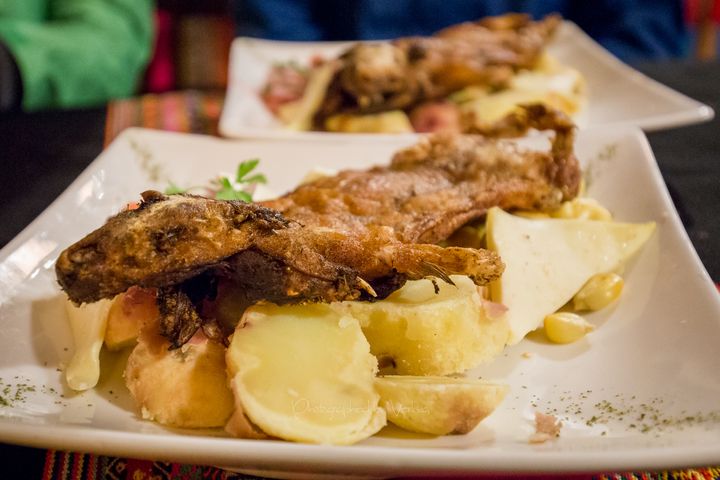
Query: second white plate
x,y
617,93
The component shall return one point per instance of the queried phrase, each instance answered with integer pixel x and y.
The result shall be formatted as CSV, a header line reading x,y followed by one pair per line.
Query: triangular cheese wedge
x,y
547,261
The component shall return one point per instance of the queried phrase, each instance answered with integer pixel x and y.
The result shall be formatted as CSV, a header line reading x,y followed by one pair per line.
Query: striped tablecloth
x,y
199,112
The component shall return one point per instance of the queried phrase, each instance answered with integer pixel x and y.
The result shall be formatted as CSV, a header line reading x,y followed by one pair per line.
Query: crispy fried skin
x,y
359,233
374,77
172,240
181,243
165,241
444,181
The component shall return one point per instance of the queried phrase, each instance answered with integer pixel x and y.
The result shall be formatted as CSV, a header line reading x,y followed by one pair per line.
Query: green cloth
x,y
77,53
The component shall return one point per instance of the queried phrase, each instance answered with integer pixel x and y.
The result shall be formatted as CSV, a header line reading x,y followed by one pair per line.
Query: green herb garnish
x,y
246,167
172,189
228,192
222,188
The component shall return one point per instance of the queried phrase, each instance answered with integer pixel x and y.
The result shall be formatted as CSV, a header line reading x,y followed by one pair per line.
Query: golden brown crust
x,y
356,234
432,188
163,242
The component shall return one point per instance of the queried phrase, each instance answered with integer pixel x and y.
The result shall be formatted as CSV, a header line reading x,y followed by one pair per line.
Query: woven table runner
x,y
82,466
198,112
191,111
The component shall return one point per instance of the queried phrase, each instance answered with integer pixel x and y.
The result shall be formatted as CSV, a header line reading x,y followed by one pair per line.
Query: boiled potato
x,y
239,425
128,312
551,84
185,387
394,121
418,331
305,373
491,108
438,405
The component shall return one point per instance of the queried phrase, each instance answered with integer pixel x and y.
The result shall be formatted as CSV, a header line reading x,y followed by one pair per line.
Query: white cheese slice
x,y
298,115
547,261
87,323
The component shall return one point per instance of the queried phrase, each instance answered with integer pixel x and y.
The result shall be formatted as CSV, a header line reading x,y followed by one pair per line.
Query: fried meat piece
x,y
375,77
357,234
444,181
173,240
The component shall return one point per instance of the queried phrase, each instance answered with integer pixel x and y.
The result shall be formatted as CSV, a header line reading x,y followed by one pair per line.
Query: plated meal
x,y
458,80
283,89
474,299
610,388
356,299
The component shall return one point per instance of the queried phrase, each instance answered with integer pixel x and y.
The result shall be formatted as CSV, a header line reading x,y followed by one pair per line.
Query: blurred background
x,y
193,38
75,53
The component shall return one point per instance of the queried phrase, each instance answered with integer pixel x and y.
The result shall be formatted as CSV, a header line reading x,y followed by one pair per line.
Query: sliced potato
x,y
186,387
548,261
128,312
239,425
564,81
418,331
305,373
438,405
582,208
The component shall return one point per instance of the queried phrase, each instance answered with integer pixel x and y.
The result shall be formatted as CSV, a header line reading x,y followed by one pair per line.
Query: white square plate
x,y
653,358
617,93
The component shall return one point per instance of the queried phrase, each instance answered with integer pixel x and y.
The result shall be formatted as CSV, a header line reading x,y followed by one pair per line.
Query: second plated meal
x,y
460,79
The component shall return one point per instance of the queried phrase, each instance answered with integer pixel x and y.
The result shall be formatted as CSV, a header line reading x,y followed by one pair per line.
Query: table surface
x,y
41,153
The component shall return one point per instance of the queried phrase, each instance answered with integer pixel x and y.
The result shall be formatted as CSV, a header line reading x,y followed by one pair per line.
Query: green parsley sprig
x,y
222,188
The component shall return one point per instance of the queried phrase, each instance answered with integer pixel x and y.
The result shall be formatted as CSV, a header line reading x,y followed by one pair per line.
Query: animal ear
x,y
152,196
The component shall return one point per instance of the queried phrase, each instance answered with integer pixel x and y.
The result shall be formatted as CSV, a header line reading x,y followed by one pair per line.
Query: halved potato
x,y
128,312
186,387
430,327
438,405
305,373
